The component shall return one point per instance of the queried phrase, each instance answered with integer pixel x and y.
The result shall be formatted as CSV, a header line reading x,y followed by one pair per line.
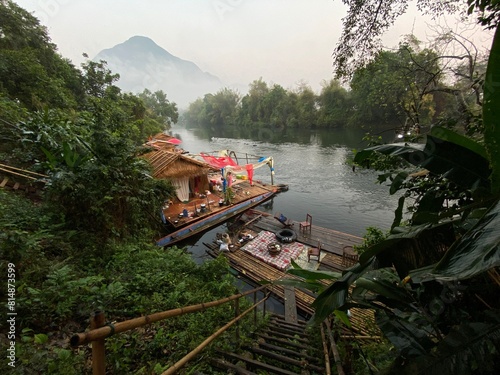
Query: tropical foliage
x,y
83,240
414,86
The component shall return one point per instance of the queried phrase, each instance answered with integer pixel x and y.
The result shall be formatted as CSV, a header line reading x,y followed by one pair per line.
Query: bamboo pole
x,y
236,313
98,350
325,352
111,329
18,174
335,351
176,366
360,337
23,170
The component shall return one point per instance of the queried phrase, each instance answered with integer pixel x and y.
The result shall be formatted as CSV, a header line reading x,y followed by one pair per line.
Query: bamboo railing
x,y
99,330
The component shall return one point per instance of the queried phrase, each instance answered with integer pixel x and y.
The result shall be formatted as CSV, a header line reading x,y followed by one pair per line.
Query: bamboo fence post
x,y
255,311
335,351
97,320
265,291
236,313
328,370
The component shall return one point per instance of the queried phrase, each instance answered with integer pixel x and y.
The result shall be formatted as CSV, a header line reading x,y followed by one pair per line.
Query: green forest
x,y
82,239
413,85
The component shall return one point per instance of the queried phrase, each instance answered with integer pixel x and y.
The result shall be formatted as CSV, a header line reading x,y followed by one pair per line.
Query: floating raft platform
x,y
332,242
256,270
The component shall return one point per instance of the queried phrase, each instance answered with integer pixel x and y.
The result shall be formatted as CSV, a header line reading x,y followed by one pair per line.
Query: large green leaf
x,y
491,110
398,213
475,253
313,274
334,297
398,180
398,234
410,340
465,347
451,160
313,286
383,282
459,139
457,163
403,150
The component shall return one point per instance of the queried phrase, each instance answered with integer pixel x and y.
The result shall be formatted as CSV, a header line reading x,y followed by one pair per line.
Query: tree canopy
x,y
367,20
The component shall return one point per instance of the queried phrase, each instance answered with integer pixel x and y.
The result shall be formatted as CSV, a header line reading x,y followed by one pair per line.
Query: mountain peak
x,y
138,45
143,64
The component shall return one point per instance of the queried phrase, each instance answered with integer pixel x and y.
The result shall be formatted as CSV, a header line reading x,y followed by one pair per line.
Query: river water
x,y
315,166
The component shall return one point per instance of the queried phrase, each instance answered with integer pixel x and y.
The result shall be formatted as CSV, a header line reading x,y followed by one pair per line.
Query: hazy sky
x,y
282,41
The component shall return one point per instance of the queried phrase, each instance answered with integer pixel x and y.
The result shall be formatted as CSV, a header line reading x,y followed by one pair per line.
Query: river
x,y
315,166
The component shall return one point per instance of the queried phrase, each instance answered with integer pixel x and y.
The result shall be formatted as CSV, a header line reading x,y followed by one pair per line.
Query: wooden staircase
x,y
282,347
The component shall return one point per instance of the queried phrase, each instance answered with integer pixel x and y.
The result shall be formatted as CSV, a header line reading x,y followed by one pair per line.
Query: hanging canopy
x,y
227,164
174,141
218,161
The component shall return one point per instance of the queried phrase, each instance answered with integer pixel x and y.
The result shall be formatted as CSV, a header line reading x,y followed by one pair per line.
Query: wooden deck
x,y
255,270
243,191
332,241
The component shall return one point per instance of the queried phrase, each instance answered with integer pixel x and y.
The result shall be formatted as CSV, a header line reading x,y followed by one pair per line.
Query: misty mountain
x,y
141,63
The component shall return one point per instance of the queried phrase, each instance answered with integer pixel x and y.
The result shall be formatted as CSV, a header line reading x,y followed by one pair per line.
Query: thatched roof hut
x,y
171,165
188,175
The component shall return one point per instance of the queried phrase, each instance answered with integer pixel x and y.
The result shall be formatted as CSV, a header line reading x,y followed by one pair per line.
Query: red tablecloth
x,y
258,248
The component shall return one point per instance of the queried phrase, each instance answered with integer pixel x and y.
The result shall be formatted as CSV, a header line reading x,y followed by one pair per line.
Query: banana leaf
x,y
334,297
313,274
476,252
459,139
383,282
404,150
471,348
454,161
399,234
491,110
409,340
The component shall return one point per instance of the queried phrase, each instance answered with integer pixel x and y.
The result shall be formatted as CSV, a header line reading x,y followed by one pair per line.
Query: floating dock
x,y
255,270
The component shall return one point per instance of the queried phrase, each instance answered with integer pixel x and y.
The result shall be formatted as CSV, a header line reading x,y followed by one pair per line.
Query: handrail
x,y
176,366
100,331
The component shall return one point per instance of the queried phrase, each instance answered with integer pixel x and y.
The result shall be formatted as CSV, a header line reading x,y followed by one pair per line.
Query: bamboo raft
x,y
255,270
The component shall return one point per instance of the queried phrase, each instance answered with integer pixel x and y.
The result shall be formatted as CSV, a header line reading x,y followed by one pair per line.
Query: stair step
x,y
225,365
257,364
290,352
300,363
299,323
285,334
283,342
282,347
289,327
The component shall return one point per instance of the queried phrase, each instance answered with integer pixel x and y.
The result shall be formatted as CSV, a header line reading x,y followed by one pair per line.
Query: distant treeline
x,y
402,88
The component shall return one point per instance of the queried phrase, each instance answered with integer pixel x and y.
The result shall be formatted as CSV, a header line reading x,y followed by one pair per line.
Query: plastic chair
x,y
314,252
305,225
